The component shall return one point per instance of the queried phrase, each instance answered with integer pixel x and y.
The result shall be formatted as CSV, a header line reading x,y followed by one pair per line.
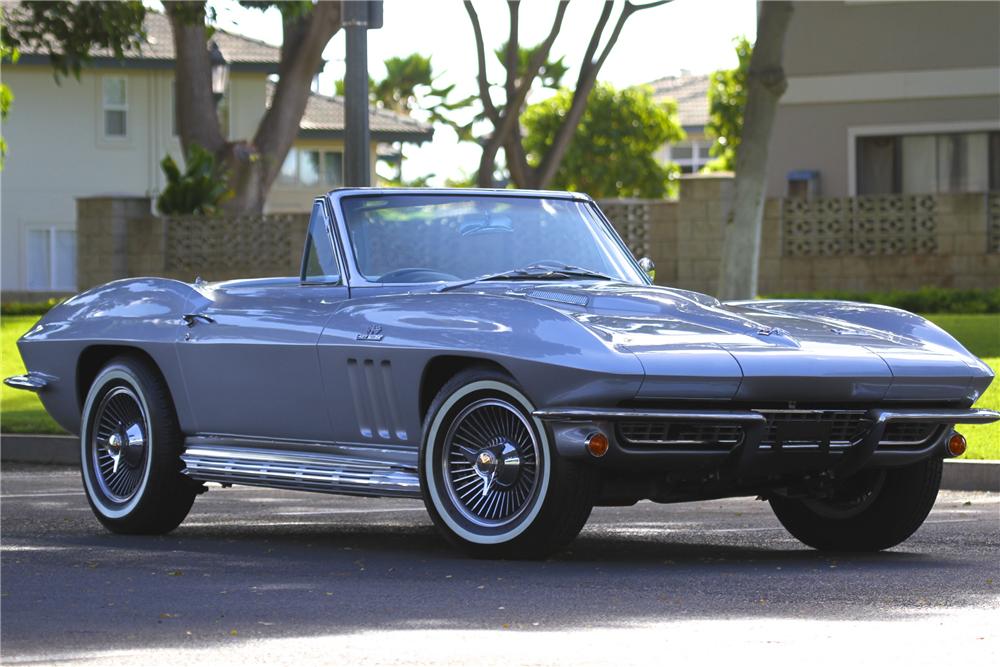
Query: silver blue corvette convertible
x,y
501,355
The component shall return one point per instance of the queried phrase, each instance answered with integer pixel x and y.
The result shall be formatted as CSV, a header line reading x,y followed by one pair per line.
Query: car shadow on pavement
x,y
332,540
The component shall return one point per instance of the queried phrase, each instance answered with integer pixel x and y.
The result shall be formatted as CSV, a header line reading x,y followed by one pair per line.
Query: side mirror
x,y
647,265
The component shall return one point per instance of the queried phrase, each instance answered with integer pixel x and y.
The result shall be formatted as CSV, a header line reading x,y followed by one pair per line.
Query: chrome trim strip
x,y
945,416
941,416
30,381
601,414
304,471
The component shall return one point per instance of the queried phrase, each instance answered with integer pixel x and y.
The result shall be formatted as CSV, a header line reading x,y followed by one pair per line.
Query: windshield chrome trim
x,y
349,261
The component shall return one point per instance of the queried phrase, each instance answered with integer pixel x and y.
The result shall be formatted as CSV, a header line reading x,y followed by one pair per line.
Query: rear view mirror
x,y
482,224
647,265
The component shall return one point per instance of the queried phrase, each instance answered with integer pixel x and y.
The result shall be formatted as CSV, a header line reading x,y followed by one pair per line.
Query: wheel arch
x,y
94,357
442,368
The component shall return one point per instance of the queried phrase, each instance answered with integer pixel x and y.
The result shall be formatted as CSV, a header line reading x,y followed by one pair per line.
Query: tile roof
x,y
325,116
240,51
690,91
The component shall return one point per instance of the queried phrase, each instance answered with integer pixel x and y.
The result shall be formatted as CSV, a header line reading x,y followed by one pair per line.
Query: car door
x,y
248,349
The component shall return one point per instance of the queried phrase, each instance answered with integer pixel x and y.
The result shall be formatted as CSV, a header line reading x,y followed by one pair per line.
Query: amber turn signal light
x,y
956,444
597,444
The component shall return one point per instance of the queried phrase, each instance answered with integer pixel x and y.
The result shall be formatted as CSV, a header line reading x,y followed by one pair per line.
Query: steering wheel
x,y
416,275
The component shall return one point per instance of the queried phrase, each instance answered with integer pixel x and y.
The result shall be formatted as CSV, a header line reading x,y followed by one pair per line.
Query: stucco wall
x,y
58,153
854,37
906,67
816,136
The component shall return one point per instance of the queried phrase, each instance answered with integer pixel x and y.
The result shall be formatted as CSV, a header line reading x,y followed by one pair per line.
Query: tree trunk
x,y
765,85
197,122
251,164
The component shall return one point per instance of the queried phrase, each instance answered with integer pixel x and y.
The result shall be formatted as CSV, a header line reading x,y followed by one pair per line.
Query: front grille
x,y
680,435
846,426
908,433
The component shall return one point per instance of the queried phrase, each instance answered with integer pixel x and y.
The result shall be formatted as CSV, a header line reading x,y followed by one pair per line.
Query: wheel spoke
x,y
490,461
117,465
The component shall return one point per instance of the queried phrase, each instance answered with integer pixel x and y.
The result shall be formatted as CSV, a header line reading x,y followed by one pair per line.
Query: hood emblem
x,y
374,333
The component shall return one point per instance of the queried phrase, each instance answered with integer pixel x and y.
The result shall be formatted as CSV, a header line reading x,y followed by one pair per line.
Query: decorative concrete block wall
x,y
118,237
900,242
649,228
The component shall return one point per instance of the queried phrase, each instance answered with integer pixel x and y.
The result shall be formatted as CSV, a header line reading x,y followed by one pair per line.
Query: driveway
x,y
258,575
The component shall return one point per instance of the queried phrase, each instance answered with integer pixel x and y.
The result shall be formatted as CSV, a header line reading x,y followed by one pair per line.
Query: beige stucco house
x,y
889,97
690,92
108,131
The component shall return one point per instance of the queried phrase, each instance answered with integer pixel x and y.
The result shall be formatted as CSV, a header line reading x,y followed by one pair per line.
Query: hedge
x,y
924,300
29,308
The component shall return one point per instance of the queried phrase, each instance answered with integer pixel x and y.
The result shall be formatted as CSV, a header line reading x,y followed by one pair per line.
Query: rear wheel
x,y
491,480
871,511
130,446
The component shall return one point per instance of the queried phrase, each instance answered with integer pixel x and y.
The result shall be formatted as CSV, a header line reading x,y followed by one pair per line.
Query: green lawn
x,y
20,411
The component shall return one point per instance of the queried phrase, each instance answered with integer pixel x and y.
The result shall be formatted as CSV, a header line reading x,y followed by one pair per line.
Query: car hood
x,y
693,346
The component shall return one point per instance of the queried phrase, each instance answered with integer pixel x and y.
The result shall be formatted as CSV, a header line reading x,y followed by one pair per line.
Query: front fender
x,y
547,351
377,349
143,313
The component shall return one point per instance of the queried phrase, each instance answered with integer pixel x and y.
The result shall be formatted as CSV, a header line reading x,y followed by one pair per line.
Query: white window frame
x,y
52,231
854,133
297,184
699,155
114,107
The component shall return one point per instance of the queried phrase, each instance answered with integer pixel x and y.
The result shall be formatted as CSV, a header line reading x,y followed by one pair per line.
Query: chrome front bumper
x,y
30,381
752,454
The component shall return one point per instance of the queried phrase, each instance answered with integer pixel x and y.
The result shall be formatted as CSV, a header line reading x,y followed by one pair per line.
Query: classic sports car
x,y
501,355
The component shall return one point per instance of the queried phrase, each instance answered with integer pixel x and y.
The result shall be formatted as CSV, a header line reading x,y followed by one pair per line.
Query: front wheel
x,y
491,480
130,446
870,511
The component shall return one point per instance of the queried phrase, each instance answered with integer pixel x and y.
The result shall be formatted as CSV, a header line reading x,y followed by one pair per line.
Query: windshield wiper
x,y
531,272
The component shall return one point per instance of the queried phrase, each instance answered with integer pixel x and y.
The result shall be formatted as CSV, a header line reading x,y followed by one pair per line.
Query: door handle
x,y
191,318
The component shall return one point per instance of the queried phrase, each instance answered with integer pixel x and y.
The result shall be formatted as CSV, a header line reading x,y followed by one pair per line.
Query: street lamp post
x,y
357,18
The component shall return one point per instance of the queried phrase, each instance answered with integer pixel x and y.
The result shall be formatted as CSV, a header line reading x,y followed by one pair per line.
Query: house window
x,y
289,168
925,163
310,168
333,169
51,259
691,156
114,99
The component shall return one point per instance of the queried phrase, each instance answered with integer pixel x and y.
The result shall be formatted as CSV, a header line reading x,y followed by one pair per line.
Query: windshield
x,y
428,238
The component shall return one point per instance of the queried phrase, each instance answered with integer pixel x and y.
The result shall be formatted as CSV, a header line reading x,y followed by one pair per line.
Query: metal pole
x,y
357,170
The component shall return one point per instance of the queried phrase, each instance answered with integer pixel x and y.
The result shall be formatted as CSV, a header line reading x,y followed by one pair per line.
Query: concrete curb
x,y
44,449
971,476
62,450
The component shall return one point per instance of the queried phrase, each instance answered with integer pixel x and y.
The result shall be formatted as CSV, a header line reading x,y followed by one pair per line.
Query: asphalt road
x,y
258,576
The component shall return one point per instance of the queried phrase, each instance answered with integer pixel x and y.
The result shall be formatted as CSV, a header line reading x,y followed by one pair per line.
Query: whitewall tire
x,y
130,447
490,477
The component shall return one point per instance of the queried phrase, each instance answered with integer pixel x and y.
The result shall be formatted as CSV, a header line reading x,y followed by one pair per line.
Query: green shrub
x,y
923,300
200,189
32,308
